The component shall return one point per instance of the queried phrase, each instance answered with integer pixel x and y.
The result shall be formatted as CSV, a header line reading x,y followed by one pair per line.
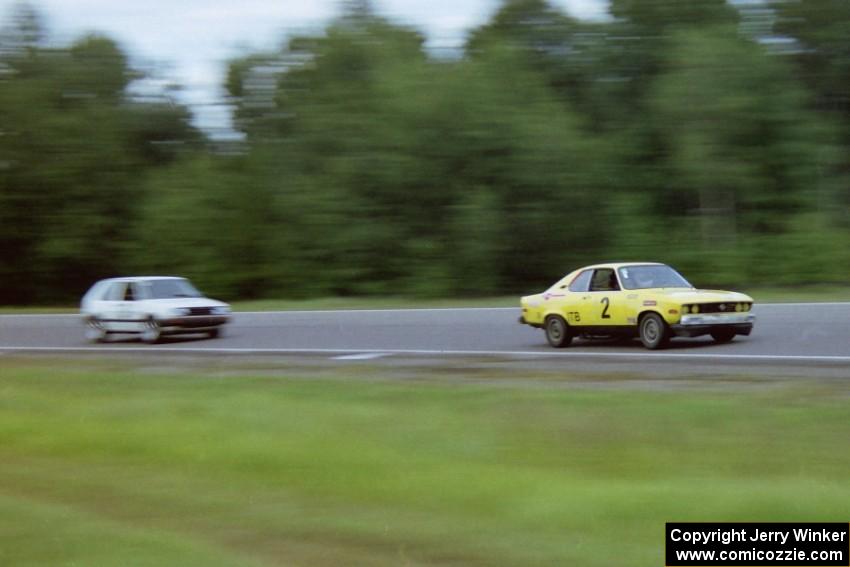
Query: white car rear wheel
x,y
95,332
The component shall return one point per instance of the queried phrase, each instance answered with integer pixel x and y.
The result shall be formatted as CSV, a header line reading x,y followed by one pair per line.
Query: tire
x,y
95,332
654,332
152,332
723,335
557,331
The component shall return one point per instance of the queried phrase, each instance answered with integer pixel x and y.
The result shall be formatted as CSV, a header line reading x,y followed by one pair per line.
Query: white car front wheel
x,y
152,331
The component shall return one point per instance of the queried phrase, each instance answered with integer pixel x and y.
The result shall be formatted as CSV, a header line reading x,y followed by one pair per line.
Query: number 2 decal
x,y
607,303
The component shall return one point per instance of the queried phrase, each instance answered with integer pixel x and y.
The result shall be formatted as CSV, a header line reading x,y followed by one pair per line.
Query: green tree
x,y
823,54
744,150
388,155
73,150
205,217
571,55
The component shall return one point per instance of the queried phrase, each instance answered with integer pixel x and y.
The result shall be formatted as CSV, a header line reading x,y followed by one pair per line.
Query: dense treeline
x,y
74,151
710,136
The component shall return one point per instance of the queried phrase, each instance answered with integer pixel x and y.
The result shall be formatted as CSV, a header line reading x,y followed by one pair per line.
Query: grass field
x,y
114,464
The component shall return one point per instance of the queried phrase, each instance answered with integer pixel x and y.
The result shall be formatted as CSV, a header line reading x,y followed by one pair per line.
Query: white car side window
x,y
97,293
115,292
143,290
130,293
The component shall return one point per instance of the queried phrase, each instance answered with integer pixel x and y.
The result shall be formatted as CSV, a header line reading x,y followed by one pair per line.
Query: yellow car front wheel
x,y
654,332
723,335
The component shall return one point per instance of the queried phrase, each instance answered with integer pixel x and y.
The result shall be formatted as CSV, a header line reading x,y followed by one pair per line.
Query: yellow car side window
x,y
604,280
582,282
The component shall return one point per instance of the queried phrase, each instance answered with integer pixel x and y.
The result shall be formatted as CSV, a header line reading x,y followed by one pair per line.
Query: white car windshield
x,y
168,289
650,276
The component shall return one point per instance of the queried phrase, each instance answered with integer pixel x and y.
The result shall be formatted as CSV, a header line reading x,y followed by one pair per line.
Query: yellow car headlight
x,y
694,308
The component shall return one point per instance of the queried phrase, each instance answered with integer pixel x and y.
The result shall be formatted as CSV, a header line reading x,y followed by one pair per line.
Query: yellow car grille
x,y
725,307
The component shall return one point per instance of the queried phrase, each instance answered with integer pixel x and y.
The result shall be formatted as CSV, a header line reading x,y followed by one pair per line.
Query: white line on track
x,y
667,356
811,304
362,356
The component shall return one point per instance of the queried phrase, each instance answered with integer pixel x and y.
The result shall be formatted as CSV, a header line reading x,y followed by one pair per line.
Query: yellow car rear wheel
x,y
558,333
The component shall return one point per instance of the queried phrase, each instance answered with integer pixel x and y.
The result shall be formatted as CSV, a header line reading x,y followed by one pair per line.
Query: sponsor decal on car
x,y
650,303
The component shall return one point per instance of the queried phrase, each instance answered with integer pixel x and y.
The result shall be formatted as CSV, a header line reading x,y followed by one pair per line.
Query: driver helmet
x,y
643,278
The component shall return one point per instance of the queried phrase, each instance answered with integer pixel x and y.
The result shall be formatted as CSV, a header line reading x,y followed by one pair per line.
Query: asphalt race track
x,y
786,335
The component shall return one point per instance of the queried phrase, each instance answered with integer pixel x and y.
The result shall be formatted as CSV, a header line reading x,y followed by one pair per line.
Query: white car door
x,y
120,313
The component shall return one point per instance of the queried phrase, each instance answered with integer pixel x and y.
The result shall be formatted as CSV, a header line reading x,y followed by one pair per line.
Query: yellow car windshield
x,y
651,276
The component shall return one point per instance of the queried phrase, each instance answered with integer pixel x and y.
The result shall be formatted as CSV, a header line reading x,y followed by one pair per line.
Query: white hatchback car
x,y
151,307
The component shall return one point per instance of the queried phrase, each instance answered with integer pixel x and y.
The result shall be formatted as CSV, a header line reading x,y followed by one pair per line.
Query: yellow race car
x,y
648,300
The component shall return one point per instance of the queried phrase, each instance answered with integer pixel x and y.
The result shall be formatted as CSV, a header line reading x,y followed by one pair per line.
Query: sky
x,y
188,42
